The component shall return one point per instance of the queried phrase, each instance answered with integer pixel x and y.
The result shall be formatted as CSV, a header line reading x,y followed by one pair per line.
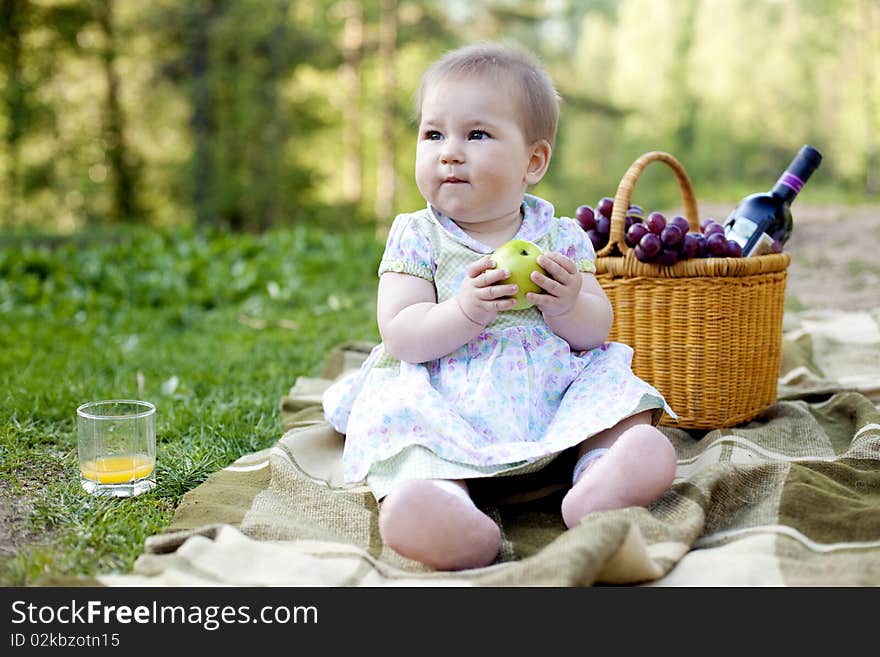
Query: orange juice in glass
x,y
117,447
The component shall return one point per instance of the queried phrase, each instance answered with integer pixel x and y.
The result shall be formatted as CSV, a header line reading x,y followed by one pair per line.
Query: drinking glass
x,y
117,446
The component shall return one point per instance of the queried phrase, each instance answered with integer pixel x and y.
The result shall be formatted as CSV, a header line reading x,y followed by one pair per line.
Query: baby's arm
x,y
415,328
574,304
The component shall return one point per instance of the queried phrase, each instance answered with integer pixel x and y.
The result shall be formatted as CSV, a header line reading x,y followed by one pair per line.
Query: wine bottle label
x,y
762,246
740,230
790,180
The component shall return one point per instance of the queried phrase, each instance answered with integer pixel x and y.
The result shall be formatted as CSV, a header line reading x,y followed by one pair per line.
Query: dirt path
x,y
835,256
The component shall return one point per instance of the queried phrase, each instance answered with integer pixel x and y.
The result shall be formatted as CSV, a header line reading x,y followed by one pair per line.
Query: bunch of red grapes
x,y
656,239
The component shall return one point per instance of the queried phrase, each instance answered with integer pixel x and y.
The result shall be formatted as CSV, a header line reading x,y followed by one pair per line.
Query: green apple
x,y
519,257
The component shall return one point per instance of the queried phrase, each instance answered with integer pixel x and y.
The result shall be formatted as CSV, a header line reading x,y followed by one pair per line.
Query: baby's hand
x,y
480,297
561,287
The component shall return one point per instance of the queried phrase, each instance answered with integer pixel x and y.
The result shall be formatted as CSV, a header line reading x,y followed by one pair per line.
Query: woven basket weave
x,y
706,332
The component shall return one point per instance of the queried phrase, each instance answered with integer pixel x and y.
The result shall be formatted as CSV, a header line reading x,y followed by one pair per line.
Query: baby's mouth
x,y
453,180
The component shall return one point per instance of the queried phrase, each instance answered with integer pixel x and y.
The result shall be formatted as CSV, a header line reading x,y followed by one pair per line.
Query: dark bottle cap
x,y
810,154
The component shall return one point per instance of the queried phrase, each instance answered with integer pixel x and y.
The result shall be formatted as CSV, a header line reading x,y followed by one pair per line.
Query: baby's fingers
x,y
490,277
549,285
478,267
557,265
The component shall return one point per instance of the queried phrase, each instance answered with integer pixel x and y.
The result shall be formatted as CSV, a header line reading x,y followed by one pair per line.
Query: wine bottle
x,y
762,223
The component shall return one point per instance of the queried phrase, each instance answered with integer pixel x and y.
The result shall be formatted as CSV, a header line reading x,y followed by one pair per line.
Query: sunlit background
x,y
249,114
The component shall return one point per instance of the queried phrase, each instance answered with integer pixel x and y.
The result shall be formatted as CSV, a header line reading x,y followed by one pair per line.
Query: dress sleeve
x,y
572,241
408,249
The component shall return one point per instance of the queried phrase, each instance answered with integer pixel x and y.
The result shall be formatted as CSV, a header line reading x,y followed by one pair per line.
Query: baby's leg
x,y
637,468
437,523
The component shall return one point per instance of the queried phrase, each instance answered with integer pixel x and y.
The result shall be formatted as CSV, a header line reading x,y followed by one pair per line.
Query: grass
x,y
210,327
858,267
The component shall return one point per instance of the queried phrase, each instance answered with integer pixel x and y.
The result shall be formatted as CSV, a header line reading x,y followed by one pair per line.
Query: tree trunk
x,y
13,98
201,119
386,178
685,132
122,171
872,160
268,162
350,75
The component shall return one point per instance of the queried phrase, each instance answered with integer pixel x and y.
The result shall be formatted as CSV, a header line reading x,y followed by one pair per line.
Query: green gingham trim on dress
x,y
458,249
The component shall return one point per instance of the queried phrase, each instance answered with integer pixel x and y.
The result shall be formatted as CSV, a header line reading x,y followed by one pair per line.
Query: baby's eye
x,y
432,135
478,134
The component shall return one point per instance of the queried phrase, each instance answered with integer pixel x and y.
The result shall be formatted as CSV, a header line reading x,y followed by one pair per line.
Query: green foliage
x,y
234,113
211,327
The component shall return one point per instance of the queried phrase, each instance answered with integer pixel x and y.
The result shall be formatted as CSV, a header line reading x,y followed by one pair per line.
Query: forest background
x,y
193,195
251,114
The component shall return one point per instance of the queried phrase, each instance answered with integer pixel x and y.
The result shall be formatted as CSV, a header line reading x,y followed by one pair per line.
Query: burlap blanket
x,y
791,498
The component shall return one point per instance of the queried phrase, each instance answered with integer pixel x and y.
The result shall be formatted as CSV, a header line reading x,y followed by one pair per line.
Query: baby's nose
x,y
451,152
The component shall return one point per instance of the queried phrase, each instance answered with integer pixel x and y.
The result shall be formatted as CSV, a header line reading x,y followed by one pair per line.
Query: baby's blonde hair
x,y
538,99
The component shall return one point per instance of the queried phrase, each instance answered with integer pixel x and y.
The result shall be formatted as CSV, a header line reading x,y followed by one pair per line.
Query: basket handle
x,y
624,195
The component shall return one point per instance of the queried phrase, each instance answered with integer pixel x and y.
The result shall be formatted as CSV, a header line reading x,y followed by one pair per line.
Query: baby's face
x,y
472,157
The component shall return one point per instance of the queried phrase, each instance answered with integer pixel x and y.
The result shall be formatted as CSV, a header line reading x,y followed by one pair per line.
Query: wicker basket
x,y
707,332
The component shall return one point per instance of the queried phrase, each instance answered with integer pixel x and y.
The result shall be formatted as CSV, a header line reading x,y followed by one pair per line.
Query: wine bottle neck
x,y
793,179
787,187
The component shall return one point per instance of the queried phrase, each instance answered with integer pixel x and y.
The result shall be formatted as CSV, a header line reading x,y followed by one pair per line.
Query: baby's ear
x,y
539,160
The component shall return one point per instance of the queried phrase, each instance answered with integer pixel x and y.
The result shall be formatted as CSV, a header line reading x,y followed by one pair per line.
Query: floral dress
x,y
508,401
